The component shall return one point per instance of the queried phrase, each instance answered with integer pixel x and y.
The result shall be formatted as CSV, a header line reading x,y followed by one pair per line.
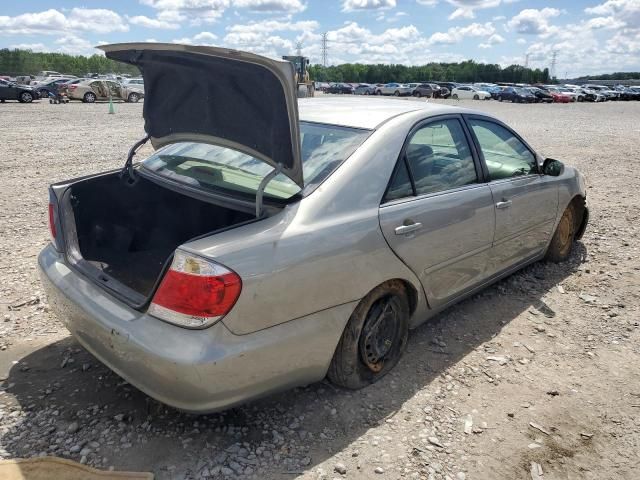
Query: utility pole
x,y
299,49
325,49
554,62
526,60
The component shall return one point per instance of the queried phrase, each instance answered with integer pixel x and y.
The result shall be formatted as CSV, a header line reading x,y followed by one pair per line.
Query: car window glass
x,y
505,155
439,157
400,186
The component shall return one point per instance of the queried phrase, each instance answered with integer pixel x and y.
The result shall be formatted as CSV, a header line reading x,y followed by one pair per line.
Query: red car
x,y
560,97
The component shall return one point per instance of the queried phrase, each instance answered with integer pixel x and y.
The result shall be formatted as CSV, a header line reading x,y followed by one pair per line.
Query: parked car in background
x,y
592,95
448,85
365,89
541,95
413,86
492,88
469,92
559,97
626,93
423,90
132,90
396,89
91,90
604,90
440,92
48,74
516,95
577,91
50,87
25,79
13,91
189,274
340,88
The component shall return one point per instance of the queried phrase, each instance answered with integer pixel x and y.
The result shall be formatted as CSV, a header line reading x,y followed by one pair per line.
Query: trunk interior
x,y
127,232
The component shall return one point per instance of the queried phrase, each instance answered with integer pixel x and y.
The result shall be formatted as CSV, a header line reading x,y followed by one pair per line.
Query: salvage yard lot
x,y
542,367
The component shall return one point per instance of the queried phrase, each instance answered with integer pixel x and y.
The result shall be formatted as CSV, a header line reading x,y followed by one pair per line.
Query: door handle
x,y
404,229
503,204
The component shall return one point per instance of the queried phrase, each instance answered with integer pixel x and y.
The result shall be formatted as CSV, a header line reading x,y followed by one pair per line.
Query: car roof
x,y
366,112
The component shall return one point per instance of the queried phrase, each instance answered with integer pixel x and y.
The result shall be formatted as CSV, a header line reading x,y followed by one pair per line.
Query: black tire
x,y
26,97
133,97
89,97
378,92
454,96
361,358
499,98
476,97
564,237
396,93
417,94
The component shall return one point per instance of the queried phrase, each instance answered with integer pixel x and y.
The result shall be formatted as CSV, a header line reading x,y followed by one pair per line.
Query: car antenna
x,y
128,166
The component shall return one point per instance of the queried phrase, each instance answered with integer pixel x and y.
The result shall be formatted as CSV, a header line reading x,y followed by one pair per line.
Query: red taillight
x,y
52,221
195,292
72,87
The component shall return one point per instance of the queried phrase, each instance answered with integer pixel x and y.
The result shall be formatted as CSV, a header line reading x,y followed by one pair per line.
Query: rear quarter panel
x,y
323,251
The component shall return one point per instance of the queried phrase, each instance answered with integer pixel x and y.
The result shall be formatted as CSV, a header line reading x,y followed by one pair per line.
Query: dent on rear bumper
x,y
193,370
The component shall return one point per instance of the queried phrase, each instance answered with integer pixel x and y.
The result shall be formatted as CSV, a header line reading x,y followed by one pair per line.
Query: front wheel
x,y
476,97
133,98
563,238
89,97
454,96
374,339
417,94
396,93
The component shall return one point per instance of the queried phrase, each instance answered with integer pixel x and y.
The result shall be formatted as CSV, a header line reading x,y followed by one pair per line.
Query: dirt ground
x,y
542,367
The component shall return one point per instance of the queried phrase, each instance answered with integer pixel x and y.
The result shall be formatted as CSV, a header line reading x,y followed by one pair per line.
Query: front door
x,y
437,215
525,201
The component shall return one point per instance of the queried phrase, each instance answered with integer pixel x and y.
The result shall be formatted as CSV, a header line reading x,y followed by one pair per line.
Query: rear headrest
x,y
418,151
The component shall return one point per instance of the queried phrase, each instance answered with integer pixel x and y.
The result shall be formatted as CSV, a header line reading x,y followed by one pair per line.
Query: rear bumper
x,y
193,370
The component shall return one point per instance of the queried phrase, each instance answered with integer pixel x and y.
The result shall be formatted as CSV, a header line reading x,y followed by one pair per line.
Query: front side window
x,y
221,169
505,155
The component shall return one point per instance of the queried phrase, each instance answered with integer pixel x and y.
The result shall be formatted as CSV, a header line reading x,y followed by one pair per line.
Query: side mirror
x,y
552,167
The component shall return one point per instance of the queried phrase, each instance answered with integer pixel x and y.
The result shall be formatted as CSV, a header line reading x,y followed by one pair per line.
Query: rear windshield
x,y
216,168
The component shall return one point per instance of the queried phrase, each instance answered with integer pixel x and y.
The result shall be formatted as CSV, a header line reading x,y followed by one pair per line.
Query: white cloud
x,y
533,22
351,5
205,37
427,3
492,40
147,22
521,41
456,34
36,47
466,8
52,22
197,11
287,6
74,45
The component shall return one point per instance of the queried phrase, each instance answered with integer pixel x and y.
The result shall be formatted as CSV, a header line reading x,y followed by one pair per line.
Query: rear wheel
x,y
374,338
396,93
454,96
562,241
499,98
417,94
89,97
378,92
133,97
26,97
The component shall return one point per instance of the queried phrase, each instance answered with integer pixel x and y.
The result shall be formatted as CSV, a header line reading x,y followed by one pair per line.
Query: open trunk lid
x,y
225,97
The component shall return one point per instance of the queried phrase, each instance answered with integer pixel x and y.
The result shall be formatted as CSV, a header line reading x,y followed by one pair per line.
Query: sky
x,y
589,36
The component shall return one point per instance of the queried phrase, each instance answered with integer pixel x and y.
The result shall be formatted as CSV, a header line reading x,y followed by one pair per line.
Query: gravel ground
x,y
542,367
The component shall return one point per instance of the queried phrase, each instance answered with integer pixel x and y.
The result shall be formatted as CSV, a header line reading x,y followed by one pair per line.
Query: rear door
x,y
5,91
437,214
525,201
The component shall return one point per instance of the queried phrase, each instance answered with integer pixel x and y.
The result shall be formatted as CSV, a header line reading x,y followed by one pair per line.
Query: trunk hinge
x,y
263,184
128,166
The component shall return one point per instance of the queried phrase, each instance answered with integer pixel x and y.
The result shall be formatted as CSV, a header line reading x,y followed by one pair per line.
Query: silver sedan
x,y
268,243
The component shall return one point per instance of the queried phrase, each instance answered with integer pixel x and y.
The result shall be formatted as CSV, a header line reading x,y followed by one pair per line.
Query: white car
x,y
396,89
470,92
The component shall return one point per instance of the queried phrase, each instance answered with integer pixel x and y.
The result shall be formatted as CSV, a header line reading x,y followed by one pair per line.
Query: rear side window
x,y
505,155
438,159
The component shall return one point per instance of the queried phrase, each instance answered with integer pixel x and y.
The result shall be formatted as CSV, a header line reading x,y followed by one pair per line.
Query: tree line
x,y
612,76
467,71
26,62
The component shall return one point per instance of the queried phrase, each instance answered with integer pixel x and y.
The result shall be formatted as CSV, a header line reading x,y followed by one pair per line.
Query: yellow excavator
x,y
301,66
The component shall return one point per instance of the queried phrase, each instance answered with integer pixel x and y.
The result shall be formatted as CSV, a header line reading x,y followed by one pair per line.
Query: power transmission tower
x,y
554,62
299,49
325,49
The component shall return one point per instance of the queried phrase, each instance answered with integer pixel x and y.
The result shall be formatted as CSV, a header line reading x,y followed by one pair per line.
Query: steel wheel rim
x,y
379,333
565,229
